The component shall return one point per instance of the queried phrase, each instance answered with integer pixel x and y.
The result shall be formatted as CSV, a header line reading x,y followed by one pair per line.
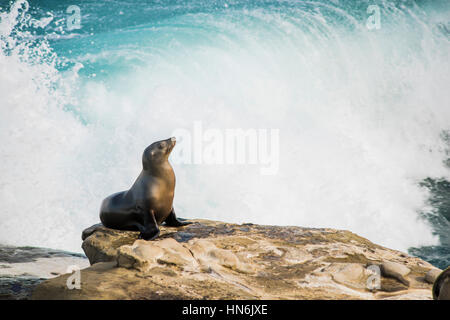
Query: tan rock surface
x,y
215,260
396,270
432,275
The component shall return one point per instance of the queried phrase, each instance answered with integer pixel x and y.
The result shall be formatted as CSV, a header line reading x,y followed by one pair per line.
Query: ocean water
x,y
363,113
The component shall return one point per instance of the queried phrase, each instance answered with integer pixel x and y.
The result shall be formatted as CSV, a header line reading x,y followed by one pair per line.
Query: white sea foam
x,y
360,115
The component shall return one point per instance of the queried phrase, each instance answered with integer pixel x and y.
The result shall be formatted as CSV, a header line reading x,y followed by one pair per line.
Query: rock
x,y
23,268
88,231
17,287
215,260
102,243
395,270
143,255
444,293
432,275
210,256
351,275
441,287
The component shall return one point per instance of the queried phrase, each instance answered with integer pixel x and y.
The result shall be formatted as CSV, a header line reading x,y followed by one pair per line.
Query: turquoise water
x,y
362,113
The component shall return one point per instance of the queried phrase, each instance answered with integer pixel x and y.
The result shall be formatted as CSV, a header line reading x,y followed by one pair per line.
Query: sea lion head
x,y
157,153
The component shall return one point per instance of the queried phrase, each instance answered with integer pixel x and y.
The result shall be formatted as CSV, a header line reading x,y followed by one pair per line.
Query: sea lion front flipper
x,y
150,229
172,221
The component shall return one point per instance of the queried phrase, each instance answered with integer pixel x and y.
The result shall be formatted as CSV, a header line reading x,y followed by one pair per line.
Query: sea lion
x,y
149,202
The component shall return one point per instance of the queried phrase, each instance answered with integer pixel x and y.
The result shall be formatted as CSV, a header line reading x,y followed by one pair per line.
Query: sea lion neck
x,y
163,169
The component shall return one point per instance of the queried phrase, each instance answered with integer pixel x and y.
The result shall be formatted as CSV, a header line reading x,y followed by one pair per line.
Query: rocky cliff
x,y
215,260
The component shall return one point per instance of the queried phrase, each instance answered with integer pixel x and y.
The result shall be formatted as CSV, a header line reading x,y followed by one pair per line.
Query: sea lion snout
x,y
172,142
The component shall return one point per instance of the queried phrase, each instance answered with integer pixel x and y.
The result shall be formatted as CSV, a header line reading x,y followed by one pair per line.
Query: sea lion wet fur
x,y
149,202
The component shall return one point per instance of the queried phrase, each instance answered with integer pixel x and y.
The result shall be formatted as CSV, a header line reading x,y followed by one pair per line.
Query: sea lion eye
x,y
161,145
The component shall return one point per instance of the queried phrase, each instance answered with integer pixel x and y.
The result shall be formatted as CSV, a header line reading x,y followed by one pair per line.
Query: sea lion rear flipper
x,y
172,221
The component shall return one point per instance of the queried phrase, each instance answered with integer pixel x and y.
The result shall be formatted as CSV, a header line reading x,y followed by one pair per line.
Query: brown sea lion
x,y
149,202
